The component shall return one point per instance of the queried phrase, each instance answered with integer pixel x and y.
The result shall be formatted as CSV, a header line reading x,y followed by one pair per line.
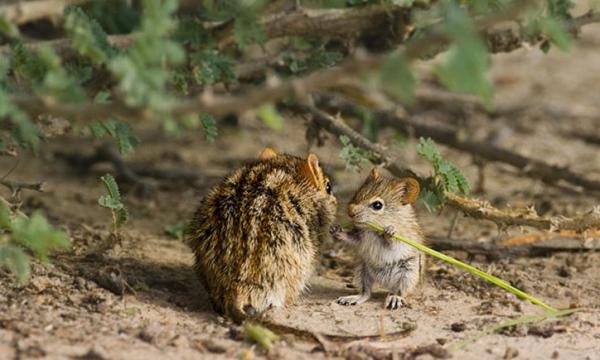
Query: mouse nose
x,y
352,209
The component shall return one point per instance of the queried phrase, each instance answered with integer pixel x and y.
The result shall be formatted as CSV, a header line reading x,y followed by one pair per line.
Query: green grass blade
x,y
490,278
527,319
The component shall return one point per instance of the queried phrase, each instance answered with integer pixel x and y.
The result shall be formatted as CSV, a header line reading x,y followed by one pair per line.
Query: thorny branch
x,y
448,136
357,65
478,209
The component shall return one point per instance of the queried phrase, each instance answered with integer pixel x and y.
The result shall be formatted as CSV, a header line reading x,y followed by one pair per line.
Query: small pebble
x,y
458,327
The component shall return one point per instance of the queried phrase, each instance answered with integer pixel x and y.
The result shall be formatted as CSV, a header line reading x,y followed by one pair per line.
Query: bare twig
x,y
472,207
24,11
488,151
338,127
15,186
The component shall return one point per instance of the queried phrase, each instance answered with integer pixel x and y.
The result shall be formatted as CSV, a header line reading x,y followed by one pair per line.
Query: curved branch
x,y
478,209
447,136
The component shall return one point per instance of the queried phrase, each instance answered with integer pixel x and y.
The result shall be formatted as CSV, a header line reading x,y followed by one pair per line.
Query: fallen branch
x,y
448,136
477,209
496,252
21,12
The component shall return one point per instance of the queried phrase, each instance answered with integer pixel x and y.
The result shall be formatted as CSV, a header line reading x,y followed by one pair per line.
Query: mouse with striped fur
x,y
255,235
390,263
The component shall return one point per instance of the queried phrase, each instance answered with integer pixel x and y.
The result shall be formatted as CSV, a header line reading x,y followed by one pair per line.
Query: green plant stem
x,y
490,278
519,321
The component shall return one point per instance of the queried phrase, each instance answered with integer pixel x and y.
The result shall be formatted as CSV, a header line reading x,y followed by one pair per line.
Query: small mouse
x,y
386,261
255,235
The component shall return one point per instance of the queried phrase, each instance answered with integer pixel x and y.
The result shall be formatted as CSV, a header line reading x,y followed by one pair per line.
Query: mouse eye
x,y
376,205
328,187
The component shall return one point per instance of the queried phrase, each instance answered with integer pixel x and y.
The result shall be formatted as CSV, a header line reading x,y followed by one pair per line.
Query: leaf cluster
x,y
21,235
353,155
446,177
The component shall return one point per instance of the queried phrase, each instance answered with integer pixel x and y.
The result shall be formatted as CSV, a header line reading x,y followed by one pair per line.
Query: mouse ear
x,y
313,172
411,190
267,153
374,175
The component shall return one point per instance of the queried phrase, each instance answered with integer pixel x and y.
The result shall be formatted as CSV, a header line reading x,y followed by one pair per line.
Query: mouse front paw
x,y
394,302
351,300
335,229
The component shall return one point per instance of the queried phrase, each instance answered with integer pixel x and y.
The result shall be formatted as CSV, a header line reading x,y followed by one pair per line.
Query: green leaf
x,y
431,200
119,130
449,177
176,230
111,186
122,216
209,125
467,65
210,66
87,36
126,140
57,83
8,28
26,65
556,33
142,72
171,127
397,79
108,202
321,58
427,149
560,9
270,116
246,28
16,261
5,222
38,235
354,156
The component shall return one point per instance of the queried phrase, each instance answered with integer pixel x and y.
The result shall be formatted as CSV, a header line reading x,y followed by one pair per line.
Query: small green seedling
x,y
113,202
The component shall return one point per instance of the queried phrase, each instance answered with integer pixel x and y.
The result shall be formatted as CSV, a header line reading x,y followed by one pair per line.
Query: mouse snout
x,y
352,210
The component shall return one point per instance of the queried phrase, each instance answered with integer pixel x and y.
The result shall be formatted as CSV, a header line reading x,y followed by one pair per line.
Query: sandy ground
x,y
69,310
